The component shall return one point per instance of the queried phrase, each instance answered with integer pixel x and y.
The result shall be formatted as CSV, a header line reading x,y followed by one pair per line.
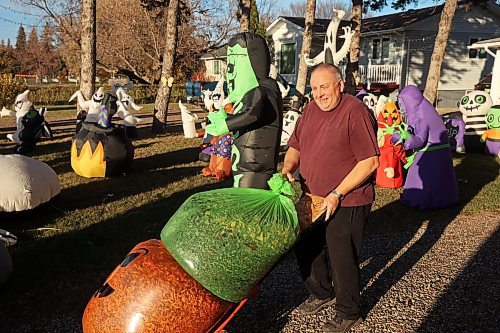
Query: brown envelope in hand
x,y
308,209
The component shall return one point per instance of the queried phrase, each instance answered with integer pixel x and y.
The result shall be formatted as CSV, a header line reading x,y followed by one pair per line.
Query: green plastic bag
x,y
228,239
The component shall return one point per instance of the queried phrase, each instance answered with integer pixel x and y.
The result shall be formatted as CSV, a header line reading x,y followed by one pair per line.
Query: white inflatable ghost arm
x,y
338,56
82,103
7,113
381,102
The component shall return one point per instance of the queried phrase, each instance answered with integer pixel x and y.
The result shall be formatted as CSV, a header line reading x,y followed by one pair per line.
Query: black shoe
x,y
313,305
339,325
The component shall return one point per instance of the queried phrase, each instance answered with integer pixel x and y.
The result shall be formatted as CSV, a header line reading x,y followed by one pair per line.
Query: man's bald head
x,y
331,69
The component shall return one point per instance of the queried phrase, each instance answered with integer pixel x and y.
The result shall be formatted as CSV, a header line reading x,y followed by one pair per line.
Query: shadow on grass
x,y
55,277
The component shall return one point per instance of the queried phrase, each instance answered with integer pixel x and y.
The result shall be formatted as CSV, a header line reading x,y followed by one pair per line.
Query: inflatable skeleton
x,y
329,53
474,107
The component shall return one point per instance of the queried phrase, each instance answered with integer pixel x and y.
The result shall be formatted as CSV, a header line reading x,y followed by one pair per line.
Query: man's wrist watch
x,y
338,195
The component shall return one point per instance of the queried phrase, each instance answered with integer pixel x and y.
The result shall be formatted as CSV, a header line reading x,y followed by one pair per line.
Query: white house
x,y
215,63
396,49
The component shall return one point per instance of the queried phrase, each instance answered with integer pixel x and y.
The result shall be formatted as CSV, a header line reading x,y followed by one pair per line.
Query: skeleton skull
x,y
475,103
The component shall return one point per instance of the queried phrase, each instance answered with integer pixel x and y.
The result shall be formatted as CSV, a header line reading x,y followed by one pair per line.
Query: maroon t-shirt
x,y
330,145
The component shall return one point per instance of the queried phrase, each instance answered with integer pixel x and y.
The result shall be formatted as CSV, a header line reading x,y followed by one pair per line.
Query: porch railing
x,y
384,74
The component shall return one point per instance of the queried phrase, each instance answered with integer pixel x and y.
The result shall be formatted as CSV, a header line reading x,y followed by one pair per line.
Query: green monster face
x,y
493,118
240,75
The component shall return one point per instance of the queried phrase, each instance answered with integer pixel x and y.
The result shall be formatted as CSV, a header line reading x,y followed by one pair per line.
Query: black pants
x,y
328,258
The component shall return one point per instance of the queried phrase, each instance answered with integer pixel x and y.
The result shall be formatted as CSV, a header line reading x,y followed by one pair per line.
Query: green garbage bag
x,y
228,239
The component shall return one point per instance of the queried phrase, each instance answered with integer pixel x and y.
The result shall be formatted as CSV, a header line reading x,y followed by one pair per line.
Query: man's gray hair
x,y
334,70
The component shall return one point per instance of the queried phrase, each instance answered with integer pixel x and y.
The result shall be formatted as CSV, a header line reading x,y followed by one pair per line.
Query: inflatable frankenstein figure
x,y
257,120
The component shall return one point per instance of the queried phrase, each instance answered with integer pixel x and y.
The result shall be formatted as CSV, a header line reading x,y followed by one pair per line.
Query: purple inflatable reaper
x,y
431,181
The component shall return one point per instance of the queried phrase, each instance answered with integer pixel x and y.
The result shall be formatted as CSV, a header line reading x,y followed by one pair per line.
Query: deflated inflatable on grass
x,y
149,292
228,239
25,183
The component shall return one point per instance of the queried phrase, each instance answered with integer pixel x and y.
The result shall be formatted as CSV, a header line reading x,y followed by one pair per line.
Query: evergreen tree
x,y
21,39
255,25
9,44
32,39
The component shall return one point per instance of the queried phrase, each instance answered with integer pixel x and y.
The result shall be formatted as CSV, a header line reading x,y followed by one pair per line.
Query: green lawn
x,y
68,247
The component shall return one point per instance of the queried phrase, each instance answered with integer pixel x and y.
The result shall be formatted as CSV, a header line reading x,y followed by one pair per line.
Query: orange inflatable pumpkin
x,y
150,292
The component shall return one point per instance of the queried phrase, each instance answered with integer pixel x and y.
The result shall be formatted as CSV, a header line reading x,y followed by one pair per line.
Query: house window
x,y
380,48
287,59
476,53
216,67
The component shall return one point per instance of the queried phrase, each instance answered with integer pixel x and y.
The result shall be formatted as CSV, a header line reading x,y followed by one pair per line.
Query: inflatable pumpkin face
x,y
101,152
390,114
150,292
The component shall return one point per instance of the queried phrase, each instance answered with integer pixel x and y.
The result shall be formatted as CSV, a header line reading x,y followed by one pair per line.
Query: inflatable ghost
x,y
257,120
430,182
474,106
90,108
392,157
492,135
330,54
381,104
289,122
25,183
370,101
125,103
455,126
188,121
30,124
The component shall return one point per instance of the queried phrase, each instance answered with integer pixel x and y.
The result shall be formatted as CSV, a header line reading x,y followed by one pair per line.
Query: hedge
x,y
9,89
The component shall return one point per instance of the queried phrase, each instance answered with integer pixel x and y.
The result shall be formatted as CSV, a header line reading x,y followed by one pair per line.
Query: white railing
x,y
377,73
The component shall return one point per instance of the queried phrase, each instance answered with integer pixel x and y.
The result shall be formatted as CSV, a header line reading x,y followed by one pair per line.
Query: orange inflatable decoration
x,y
150,292
392,157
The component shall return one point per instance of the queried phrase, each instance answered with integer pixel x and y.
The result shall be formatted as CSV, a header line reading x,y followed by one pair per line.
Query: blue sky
x,y
12,15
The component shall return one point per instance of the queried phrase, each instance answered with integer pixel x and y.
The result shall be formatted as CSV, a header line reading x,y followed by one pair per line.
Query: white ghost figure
x,y
91,106
330,53
21,106
218,94
379,107
125,103
188,120
474,107
207,100
370,101
289,122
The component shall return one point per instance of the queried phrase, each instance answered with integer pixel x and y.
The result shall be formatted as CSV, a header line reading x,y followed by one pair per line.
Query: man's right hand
x,y
288,174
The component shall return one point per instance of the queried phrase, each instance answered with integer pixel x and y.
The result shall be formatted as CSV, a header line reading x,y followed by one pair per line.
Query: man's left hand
x,y
331,203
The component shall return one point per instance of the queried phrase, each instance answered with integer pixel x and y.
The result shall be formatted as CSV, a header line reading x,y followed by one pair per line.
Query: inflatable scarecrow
x,y
474,107
492,135
30,124
257,121
430,182
392,157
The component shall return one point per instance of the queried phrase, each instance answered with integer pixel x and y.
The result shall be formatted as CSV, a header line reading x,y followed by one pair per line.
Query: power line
x,y
18,11
23,24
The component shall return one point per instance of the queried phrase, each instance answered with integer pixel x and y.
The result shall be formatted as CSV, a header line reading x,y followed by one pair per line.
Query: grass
x,y
68,247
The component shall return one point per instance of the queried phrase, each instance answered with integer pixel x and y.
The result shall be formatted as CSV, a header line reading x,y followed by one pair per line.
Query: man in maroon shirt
x,y
335,144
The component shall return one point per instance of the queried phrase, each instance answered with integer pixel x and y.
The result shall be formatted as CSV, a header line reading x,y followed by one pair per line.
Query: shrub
x,y
9,89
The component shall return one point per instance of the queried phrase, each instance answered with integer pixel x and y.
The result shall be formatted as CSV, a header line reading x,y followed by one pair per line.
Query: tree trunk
x,y
352,68
167,71
244,14
306,49
88,51
434,73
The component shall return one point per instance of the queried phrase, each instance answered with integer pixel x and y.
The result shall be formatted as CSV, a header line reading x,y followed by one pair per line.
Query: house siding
x,y
458,72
